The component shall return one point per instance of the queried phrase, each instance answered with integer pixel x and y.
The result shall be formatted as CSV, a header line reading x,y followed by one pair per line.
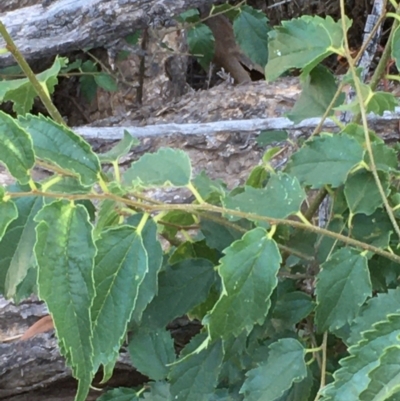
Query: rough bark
x,y
69,25
34,370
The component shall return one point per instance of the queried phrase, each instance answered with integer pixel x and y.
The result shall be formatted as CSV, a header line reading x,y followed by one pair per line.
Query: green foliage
x,y
343,286
251,33
159,344
21,92
318,91
285,305
201,43
326,160
285,365
303,43
250,27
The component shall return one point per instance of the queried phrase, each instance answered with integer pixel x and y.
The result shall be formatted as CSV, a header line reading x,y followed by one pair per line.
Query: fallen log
x,y
68,25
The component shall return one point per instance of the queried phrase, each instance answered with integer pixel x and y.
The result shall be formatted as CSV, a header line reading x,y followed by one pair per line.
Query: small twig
x,y
208,208
316,355
142,67
323,366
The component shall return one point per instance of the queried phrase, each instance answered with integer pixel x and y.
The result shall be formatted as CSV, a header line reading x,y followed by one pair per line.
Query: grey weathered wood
x,y
27,368
34,370
389,120
68,25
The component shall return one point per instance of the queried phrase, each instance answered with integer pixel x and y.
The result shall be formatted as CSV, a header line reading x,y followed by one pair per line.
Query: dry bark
x,y
34,370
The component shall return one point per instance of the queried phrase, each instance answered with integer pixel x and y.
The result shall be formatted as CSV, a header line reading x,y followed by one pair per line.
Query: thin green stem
x,y
195,192
384,59
359,94
323,365
192,208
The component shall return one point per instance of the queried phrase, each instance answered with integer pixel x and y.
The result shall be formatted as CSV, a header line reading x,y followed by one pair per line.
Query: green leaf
x,y
201,310
27,287
88,85
374,311
301,241
251,33
268,137
209,189
328,245
352,378
285,365
159,391
65,254
133,38
291,308
342,287
357,131
60,146
300,391
8,213
66,185
180,288
148,287
316,95
119,394
165,167
374,102
385,157
106,81
194,377
219,236
191,15
258,14
257,177
16,246
121,149
381,102
270,154
362,194
75,65
395,47
89,206
21,91
236,361
384,273
228,10
121,264
326,160
16,150
201,43
193,250
385,378
155,343
302,43
281,197
375,229
248,272
225,394
174,220
107,216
